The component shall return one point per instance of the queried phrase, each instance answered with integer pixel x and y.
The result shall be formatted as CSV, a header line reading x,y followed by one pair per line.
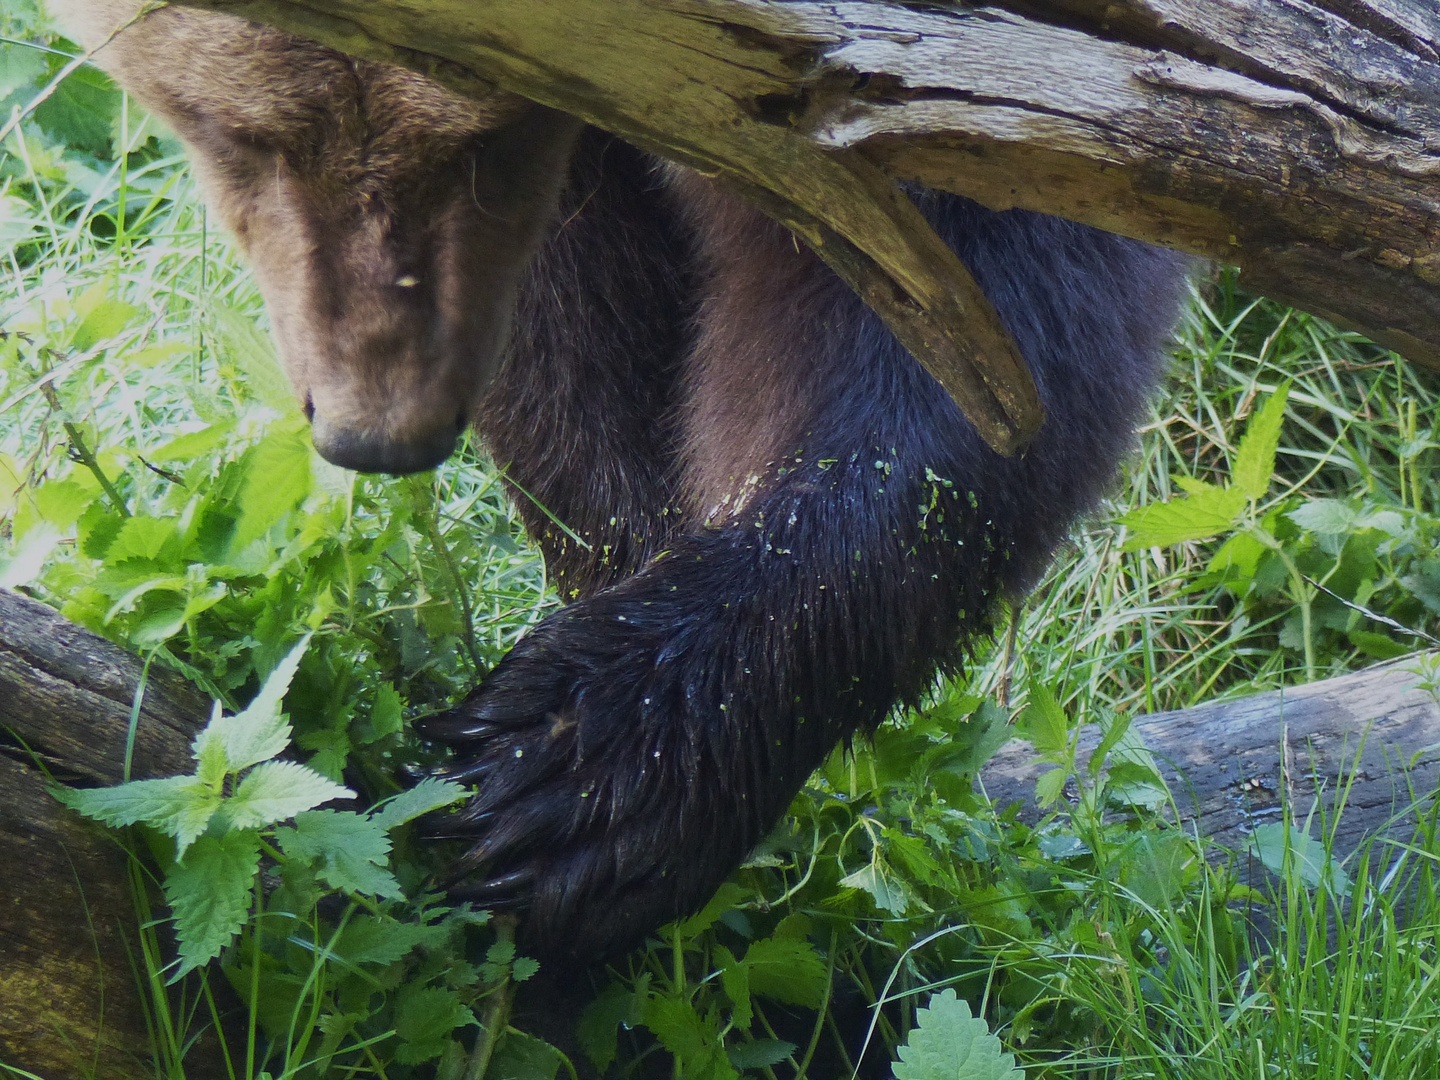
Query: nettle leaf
x,y
81,110
1050,786
141,538
694,1042
599,1023
277,480
524,1057
424,1019
386,715
348,851
726,897
948,1043
379,939
430,794
889,893
1255,460
149,801
180,806
760,1053
256,733
735,979
276,790
786,970
1044,722
209,894
1326,516
253,352
1199,516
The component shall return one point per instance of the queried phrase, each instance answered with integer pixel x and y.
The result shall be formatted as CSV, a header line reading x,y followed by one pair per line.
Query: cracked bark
x,y
69,1001
1373,736
1297,140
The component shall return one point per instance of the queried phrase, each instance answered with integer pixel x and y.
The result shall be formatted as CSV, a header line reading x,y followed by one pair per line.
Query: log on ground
x,y
1373,737
70,1004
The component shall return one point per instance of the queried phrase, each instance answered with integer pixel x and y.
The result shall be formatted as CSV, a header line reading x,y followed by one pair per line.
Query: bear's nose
x,y
367,452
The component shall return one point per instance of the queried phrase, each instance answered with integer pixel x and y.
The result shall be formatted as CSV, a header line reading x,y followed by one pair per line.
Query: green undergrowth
x,y
1276,525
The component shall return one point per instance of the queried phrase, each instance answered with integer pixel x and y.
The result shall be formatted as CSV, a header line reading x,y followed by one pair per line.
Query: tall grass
x,y
126,321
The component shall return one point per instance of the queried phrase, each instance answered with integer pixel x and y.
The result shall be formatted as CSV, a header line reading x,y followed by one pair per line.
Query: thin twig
x,y
1383,620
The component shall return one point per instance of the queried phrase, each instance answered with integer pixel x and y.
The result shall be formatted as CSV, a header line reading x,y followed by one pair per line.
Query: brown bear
x,y
788,526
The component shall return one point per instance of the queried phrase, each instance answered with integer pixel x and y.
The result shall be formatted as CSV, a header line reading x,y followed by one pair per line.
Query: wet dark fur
x,y
633,747
788,527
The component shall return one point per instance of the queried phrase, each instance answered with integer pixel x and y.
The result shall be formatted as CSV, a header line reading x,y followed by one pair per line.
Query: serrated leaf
x,y
1050,786
888,892
258,732
348,851
141,538
1255,460
80,111
1326,516
180,806
424,1019
948,1043
735,979
253,352
786,970
524,1057
136,801
760,1053
725,898
1044,722
209,894
599,1023
386,716
1195,517
276,790
379,939
689,1038
196,443
430,794
277,480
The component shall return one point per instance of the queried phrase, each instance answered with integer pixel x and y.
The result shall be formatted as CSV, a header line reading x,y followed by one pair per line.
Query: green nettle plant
x,y
157,485
947,1043
246,814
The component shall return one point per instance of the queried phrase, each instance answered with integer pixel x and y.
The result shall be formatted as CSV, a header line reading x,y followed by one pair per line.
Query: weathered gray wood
x,y
69,1002
1300,141
1231,763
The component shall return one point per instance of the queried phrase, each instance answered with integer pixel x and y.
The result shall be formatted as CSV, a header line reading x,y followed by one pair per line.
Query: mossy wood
x,y
1300,141
70,1004
1372,738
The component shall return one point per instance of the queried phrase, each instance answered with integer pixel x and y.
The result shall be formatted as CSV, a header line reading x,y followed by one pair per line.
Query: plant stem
x,y
77,443
497,1012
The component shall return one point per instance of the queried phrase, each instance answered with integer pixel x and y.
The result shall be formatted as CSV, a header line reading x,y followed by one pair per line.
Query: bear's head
x,y
388,220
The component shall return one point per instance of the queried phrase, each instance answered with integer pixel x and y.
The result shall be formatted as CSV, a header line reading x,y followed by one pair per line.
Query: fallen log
x,y
1373,736
70,1002
1297,140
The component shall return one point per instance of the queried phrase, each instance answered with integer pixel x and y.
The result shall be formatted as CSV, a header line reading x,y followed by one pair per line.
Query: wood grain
x,y
1231,764
69,1004
1299,141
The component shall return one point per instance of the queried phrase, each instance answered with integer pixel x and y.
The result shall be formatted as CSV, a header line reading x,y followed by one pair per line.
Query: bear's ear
x,y
388,220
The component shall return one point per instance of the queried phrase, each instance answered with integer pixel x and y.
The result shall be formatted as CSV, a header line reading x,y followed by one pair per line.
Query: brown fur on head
x,y
388,220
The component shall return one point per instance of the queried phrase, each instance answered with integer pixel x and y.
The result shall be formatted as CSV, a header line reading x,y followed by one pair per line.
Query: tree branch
x,y
1299,141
